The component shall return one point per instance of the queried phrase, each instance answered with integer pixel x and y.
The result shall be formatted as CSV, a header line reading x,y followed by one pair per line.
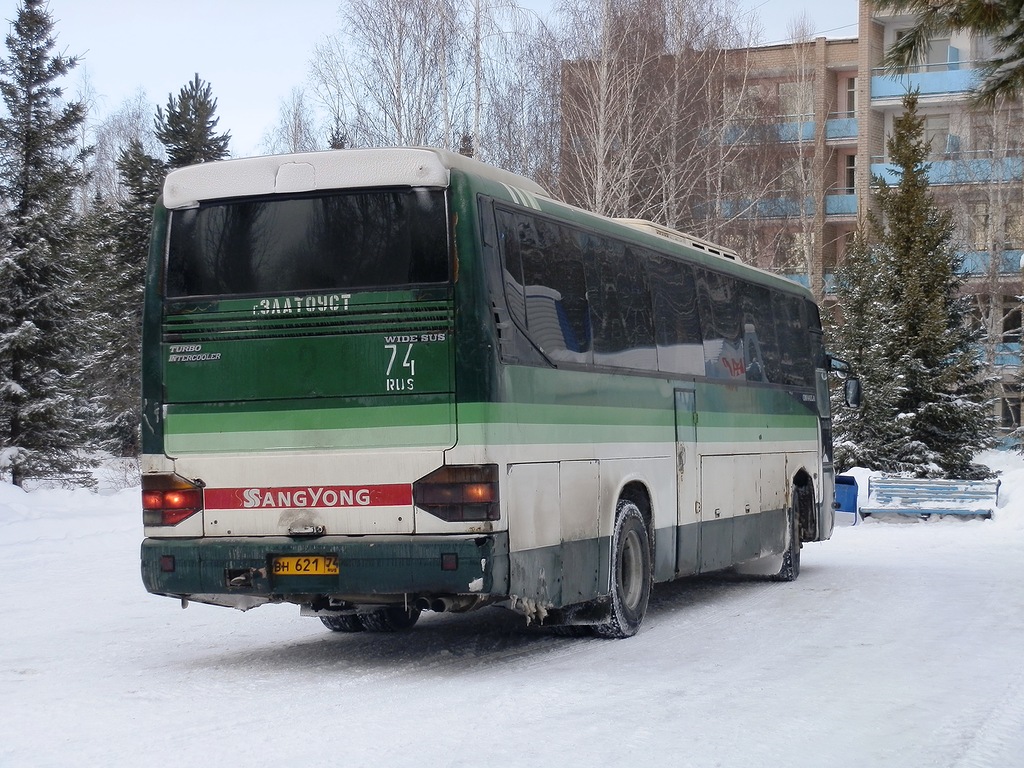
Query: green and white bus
x,y
384,381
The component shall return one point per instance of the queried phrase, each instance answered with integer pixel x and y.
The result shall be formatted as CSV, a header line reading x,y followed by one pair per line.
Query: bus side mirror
x,y
851,390
840,367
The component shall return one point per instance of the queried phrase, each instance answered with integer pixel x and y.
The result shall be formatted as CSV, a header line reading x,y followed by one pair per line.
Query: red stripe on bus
x,y
319,496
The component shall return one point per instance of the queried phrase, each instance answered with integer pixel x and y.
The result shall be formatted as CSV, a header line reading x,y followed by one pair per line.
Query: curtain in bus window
x,y
816,335
721,321
620,305
795,361
512,266
554,289
760,345
327,242
676,318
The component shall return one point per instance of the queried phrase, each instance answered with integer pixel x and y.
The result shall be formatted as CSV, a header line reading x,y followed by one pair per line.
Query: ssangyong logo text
x,y
309,496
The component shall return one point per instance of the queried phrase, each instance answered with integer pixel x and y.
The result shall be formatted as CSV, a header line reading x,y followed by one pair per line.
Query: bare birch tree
x,y
296,129
132,121
519,100
719,172
797,109
614,49
395,75
657,116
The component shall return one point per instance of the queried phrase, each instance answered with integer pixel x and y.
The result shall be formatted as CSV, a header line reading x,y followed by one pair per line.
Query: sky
x,y
254,52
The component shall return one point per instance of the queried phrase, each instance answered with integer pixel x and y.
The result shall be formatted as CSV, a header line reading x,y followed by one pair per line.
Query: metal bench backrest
x,y
897,495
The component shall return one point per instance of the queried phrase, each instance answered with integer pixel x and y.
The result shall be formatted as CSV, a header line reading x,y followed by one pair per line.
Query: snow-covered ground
x,y
901,644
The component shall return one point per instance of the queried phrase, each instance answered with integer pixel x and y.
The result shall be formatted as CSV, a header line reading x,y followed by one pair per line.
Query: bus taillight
x,y
169,499
458,494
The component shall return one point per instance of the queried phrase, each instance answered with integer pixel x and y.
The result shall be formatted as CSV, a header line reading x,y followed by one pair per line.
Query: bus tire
x,y
631,573
392,618
791,555
347,622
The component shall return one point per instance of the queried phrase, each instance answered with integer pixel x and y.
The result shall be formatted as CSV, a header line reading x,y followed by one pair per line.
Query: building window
x,y
796,99
938,55
941,56
1010,415
851,96
936,133
849,175
1003,231
977,234
1011,320
1014,228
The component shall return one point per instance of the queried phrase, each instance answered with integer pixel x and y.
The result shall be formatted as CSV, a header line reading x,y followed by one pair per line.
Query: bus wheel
x,y
348,622
791,555
631,573
393,618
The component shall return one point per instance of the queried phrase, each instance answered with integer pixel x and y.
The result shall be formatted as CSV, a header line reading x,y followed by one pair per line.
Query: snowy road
x,y
899,645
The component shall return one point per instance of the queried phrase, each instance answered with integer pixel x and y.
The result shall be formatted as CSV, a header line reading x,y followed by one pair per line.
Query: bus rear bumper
x,y
240,572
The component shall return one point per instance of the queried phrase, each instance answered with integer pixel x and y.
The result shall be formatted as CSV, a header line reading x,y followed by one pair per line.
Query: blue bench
x,y
909,496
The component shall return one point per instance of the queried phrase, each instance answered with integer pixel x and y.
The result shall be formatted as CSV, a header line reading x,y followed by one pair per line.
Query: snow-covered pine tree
x,y
863,336
142,176
42,424
98,305
905,329
186,129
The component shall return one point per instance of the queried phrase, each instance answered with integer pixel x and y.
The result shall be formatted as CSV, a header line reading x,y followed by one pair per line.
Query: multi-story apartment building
x,y
815,84
829,107
976,164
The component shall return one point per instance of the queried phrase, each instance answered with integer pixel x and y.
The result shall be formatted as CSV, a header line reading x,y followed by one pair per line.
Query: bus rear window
x,y
350,240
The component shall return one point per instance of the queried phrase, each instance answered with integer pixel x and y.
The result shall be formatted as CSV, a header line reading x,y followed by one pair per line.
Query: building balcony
x,y
768,208
933,80
791,130
837,205
803,279
978,263
967,168
791,133
841,205
840,128
1008,354
787,131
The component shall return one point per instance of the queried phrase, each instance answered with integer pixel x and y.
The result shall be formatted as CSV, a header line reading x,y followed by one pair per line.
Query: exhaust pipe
x,y
458,603
440,604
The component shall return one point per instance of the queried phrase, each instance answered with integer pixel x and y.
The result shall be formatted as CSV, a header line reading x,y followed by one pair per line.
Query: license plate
x,y
305,565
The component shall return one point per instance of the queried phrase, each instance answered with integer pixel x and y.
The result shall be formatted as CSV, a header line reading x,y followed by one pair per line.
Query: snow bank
x,y
64,513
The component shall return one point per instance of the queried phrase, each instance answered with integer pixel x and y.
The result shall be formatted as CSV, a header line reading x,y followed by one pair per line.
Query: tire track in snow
x,y
1000,739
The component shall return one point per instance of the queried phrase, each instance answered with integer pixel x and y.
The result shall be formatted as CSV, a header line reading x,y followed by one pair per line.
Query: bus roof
x,y
336,169
681,237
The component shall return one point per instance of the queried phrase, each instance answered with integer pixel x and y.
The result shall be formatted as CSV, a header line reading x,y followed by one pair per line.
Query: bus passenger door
x,y
687,480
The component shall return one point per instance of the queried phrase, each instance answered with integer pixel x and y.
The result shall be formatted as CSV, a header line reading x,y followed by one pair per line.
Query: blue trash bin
x,y
846,499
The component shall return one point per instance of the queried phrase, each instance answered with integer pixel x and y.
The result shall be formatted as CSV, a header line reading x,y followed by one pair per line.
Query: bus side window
x,y
620,305
760,343
512,267
554,289
795,360
676,318
721,321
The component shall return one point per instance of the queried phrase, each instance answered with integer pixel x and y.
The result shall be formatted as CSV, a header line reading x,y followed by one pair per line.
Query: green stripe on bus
x,y
430,436
199,419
